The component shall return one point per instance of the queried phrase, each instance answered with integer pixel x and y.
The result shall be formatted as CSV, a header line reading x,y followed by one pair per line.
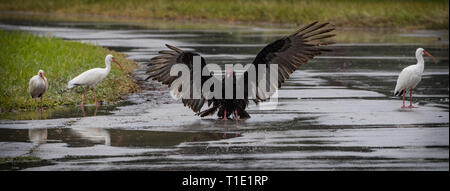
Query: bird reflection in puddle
x,y
37,136
84,112
96,135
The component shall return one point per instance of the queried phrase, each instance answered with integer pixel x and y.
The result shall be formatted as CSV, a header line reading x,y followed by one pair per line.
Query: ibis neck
x,y
420,62
108,66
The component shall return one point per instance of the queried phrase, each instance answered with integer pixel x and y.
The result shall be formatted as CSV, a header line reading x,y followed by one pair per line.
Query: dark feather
x,y
290,52
160,66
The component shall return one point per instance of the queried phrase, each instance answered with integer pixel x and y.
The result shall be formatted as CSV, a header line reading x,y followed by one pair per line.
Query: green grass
x,y
23,54
19,159
343,13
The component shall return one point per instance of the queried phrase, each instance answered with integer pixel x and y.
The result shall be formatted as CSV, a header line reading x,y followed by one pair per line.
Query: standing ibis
x,y
38,85
89,79
410,76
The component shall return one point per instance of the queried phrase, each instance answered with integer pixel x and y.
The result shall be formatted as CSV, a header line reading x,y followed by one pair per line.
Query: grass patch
x,y
23,54
343,13
21,162
19,159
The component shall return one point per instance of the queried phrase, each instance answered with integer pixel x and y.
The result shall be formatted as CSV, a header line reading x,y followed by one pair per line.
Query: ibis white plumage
x,y
410,76
89,79
37,86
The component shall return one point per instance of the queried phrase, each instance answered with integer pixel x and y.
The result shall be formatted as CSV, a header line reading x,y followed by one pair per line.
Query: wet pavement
x,y
336,113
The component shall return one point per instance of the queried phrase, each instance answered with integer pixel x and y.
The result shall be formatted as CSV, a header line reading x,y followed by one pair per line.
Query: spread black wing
x,y
287,53
160,66
292,51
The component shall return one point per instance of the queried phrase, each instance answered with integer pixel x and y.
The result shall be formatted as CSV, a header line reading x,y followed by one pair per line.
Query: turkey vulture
x,y
286,54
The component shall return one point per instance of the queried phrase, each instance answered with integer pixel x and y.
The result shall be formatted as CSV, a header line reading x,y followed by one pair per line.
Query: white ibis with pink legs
x,y
410,76
89,79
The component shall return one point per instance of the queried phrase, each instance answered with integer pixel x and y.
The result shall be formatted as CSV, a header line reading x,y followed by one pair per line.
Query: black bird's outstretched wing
x,y
290,52
160,66
287,53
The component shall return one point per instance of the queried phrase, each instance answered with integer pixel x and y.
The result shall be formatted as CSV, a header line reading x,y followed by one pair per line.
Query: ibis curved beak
x,y
120,66
428,54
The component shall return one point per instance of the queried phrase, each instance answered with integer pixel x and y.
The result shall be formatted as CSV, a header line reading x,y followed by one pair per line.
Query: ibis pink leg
x,y
82,97
82,102
82,111
224,115
236,115
42,108
95,97
410,100
95,112
404,92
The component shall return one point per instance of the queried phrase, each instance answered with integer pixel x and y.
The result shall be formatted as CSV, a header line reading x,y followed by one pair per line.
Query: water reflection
x,y
87,137
84,113
37,136
94,135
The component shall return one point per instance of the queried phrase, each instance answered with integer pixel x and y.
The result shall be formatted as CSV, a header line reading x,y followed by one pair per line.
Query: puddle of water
x,y
79,143
86,137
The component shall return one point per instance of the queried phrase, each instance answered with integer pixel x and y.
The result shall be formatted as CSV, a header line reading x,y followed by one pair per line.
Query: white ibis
x,y
38,85
410,76
89,79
